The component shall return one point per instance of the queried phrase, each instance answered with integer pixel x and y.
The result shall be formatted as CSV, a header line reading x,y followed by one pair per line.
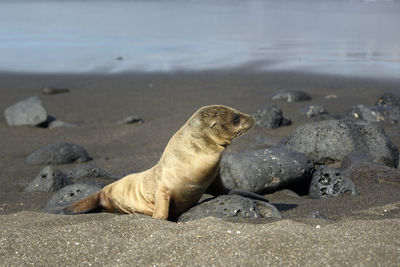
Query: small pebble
x,y
130,120
330,96
54,91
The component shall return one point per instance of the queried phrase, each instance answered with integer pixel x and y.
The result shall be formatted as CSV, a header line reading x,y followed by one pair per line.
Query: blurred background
x,y
345,37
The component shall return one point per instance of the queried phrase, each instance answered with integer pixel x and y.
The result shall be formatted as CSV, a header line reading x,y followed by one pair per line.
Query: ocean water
x,y
345,37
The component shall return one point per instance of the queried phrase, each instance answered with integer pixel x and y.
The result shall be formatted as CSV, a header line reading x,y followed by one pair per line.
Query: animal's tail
x,y
91,203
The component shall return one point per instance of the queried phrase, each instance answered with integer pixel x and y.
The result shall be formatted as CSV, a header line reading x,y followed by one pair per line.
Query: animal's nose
x,y
252,120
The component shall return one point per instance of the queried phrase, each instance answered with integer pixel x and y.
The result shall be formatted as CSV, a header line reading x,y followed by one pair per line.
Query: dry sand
x,y
362,230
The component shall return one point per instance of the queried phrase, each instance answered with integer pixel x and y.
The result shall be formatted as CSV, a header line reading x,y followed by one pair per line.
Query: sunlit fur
x,y
188,167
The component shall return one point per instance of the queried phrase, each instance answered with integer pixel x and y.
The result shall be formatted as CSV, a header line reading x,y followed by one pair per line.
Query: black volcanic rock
x,y
265,170
231,207
69,195
58,153
48,180
331,141
271,116
330,182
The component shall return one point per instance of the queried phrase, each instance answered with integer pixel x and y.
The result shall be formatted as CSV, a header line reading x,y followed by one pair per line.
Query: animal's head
x,y
220,123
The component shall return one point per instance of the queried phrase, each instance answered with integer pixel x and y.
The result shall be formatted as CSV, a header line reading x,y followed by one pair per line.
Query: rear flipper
x,y
89,204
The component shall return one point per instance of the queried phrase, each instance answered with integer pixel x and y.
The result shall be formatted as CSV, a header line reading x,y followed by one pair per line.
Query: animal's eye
x,y
236,119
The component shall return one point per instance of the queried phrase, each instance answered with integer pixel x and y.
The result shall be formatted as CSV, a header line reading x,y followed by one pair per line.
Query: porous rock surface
x,y
49,179
89,172
331,141
330,182
231,207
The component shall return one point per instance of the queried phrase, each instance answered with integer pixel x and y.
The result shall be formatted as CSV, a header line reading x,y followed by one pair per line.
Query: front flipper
x,y
161,209
217,188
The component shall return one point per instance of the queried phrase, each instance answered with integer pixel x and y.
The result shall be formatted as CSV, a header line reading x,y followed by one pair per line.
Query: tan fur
x,y
187,168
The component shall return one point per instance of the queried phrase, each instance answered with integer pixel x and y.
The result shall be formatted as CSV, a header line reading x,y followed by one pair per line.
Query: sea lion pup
x,y
189,167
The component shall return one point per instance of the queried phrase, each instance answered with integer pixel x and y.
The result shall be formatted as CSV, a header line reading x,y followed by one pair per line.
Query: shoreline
x,y
251,68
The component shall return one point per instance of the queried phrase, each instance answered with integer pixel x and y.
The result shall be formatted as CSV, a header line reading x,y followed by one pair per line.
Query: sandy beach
x,y
361,230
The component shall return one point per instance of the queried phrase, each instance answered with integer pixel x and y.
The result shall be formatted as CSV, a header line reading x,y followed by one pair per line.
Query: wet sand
x,y
364,229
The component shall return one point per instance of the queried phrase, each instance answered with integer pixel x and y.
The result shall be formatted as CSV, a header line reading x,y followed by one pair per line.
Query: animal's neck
x,y
189,146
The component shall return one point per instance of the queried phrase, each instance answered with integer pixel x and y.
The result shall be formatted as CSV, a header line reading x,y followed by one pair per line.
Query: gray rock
x,y
392,114
58,153
388,99
57,123
332,96
90,172
370,114
69,195
231,207
265,170
27,112
330,182
54,91
315,214
291,96
49,179
131,119
288,192
383,113
331,141
313,110
271,116
251,141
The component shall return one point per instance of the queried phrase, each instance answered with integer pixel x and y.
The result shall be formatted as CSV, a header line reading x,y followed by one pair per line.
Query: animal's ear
x,y
213,123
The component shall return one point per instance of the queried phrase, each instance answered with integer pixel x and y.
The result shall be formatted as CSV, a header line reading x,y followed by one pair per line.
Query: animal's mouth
x,y
239,133
228,141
